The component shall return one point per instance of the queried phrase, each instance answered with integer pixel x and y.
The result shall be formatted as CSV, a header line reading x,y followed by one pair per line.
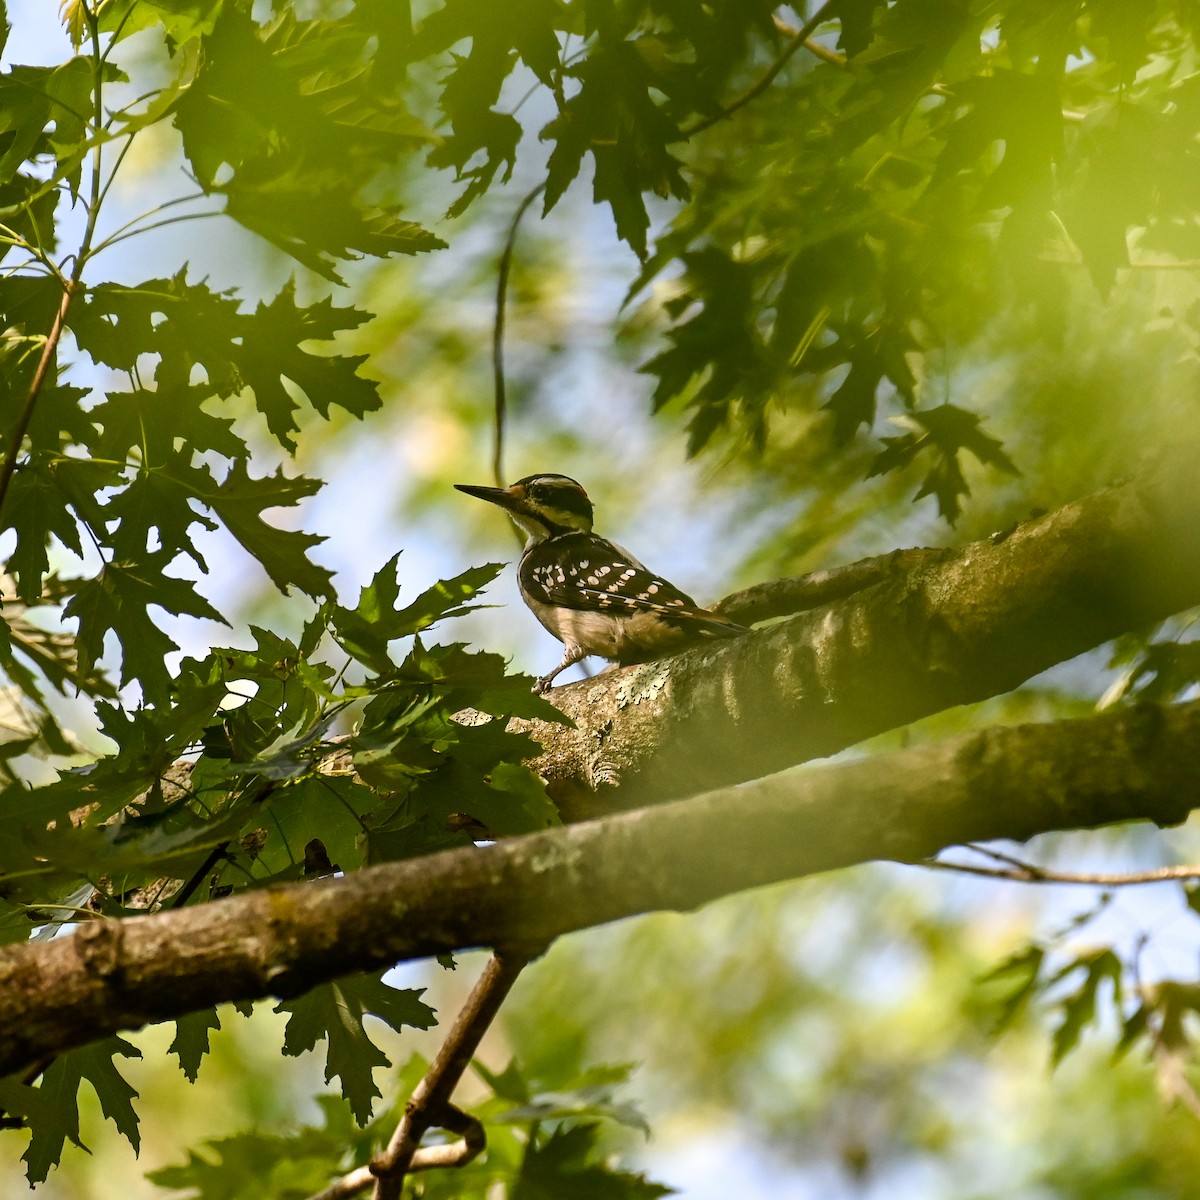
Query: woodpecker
x,y
595,597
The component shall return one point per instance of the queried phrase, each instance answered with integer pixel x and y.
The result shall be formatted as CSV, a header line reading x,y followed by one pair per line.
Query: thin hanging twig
x,y
500,391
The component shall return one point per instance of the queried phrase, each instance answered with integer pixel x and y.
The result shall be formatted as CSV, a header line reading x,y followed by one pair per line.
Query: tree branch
x,y
280,941
800,593
430,1100
957,627
429,1106
1032,873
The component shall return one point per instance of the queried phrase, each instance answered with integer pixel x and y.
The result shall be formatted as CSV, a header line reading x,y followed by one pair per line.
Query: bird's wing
x,y
583,571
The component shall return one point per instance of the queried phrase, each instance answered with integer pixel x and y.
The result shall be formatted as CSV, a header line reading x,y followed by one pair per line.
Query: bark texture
x,y
953,628
518,895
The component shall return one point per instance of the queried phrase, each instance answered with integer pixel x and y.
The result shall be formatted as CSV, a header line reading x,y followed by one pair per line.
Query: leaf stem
x,y
131,226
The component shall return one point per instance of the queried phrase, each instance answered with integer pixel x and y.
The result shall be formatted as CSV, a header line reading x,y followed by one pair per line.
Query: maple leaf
x,y
117,601
334,1013
52,1108
271,351
300,150
942,432
366,630
190,1043
614,117
239,500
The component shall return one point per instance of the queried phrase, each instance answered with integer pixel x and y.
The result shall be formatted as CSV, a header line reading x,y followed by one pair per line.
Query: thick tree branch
x,y
956,628
800,593
516,896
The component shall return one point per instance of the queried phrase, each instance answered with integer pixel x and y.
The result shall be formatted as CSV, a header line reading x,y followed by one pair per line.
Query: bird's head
x,y
542,505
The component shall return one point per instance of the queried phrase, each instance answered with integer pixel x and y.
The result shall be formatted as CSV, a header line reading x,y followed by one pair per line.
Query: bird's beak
x,y
511,498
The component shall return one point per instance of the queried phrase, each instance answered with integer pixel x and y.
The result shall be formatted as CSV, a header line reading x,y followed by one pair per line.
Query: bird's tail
x,y
704,623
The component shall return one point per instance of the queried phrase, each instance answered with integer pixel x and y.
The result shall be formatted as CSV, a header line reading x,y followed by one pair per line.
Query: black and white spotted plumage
x,y
595,597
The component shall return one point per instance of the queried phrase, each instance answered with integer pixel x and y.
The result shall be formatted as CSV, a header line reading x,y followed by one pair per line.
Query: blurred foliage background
x,y
929,281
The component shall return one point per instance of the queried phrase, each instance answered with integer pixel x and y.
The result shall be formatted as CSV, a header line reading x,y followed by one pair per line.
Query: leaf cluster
x,y
290,126
816,246
237,780
544,1139
852,235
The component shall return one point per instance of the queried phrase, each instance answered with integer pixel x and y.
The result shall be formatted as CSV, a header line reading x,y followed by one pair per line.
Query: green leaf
x,y
564,1165
252,1165
719,342
290,110
1016,981
166,424
179,20
186,324
290,754
155,501
69,89
27,208
240,500
37,510
876,359
117,601
614,117
56,1117
190,1043
271,352
334,1013
855,18
591,1094
942,433
499,34
25,110
1079,1008
315,226
329,809
366,630
479,680
189,326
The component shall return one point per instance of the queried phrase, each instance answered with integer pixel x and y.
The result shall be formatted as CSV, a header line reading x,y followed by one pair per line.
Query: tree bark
x,y
956,628
516,896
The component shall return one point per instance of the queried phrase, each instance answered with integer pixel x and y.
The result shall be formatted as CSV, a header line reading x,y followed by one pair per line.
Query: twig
x,y
218,852
812,46
501,400
431,1097
70,284
782,597
469,1146
429,1106
21,426
1021,872
785,56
